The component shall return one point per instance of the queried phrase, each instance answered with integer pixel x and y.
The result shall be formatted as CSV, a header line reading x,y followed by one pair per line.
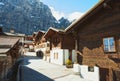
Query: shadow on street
x,y
28,74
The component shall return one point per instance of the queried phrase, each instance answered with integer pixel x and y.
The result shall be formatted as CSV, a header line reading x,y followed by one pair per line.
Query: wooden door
x,y
104,74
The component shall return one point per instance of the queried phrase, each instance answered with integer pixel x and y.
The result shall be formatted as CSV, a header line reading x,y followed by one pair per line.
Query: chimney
x,y
12,31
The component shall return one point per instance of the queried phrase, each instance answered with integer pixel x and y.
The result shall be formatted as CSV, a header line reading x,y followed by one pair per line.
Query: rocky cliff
x,y
27,16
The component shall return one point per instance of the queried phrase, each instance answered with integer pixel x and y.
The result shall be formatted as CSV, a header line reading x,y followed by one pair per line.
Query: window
x,y
90,69
56,55
48,45
109,44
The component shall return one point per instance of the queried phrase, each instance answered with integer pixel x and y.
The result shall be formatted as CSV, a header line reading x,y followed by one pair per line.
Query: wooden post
x,y
76,47
75,34
110,74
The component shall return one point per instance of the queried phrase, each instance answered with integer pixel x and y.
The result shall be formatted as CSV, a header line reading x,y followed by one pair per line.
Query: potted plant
x,y
69,63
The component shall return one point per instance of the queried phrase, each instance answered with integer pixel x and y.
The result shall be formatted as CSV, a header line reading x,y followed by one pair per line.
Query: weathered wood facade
x,y
38,37
103,21
9,52
41,46
60,41
28,43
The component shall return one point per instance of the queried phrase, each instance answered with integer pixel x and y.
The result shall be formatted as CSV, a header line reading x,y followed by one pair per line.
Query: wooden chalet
x,y
28,43
97,36
59,43
38,37
9,52
41,45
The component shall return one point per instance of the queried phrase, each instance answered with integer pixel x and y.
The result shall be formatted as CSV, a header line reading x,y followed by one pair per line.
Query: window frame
x,y
109,50
56,55
91,69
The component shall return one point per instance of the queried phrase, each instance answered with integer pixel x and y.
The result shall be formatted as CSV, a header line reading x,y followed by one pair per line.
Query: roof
x,y
3,55
51,29
35,32
8,40
38,32
85,16
41,31
14,34
4,50
6,43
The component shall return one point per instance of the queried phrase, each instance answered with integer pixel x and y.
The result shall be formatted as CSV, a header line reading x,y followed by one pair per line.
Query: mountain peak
x,y
26,16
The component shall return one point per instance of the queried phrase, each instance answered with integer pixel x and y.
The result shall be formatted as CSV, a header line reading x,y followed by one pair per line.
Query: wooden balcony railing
x,y
114,56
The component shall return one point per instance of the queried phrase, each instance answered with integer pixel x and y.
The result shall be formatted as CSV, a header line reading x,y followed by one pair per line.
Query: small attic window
x,y
109,44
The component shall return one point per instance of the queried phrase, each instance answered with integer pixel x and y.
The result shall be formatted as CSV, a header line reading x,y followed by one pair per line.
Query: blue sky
x,y
69,8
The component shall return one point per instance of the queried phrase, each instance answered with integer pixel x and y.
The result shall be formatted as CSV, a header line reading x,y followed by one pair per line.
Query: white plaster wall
x,y
38,49
43,49
76,68
62,56
93,76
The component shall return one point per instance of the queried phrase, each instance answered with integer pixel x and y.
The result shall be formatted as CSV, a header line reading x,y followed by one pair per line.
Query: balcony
x,y
114,56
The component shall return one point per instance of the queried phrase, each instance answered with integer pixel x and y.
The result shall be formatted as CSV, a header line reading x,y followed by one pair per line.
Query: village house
x,y
41,46
9,52
38,37
21,37
28,43
97,39
61,46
